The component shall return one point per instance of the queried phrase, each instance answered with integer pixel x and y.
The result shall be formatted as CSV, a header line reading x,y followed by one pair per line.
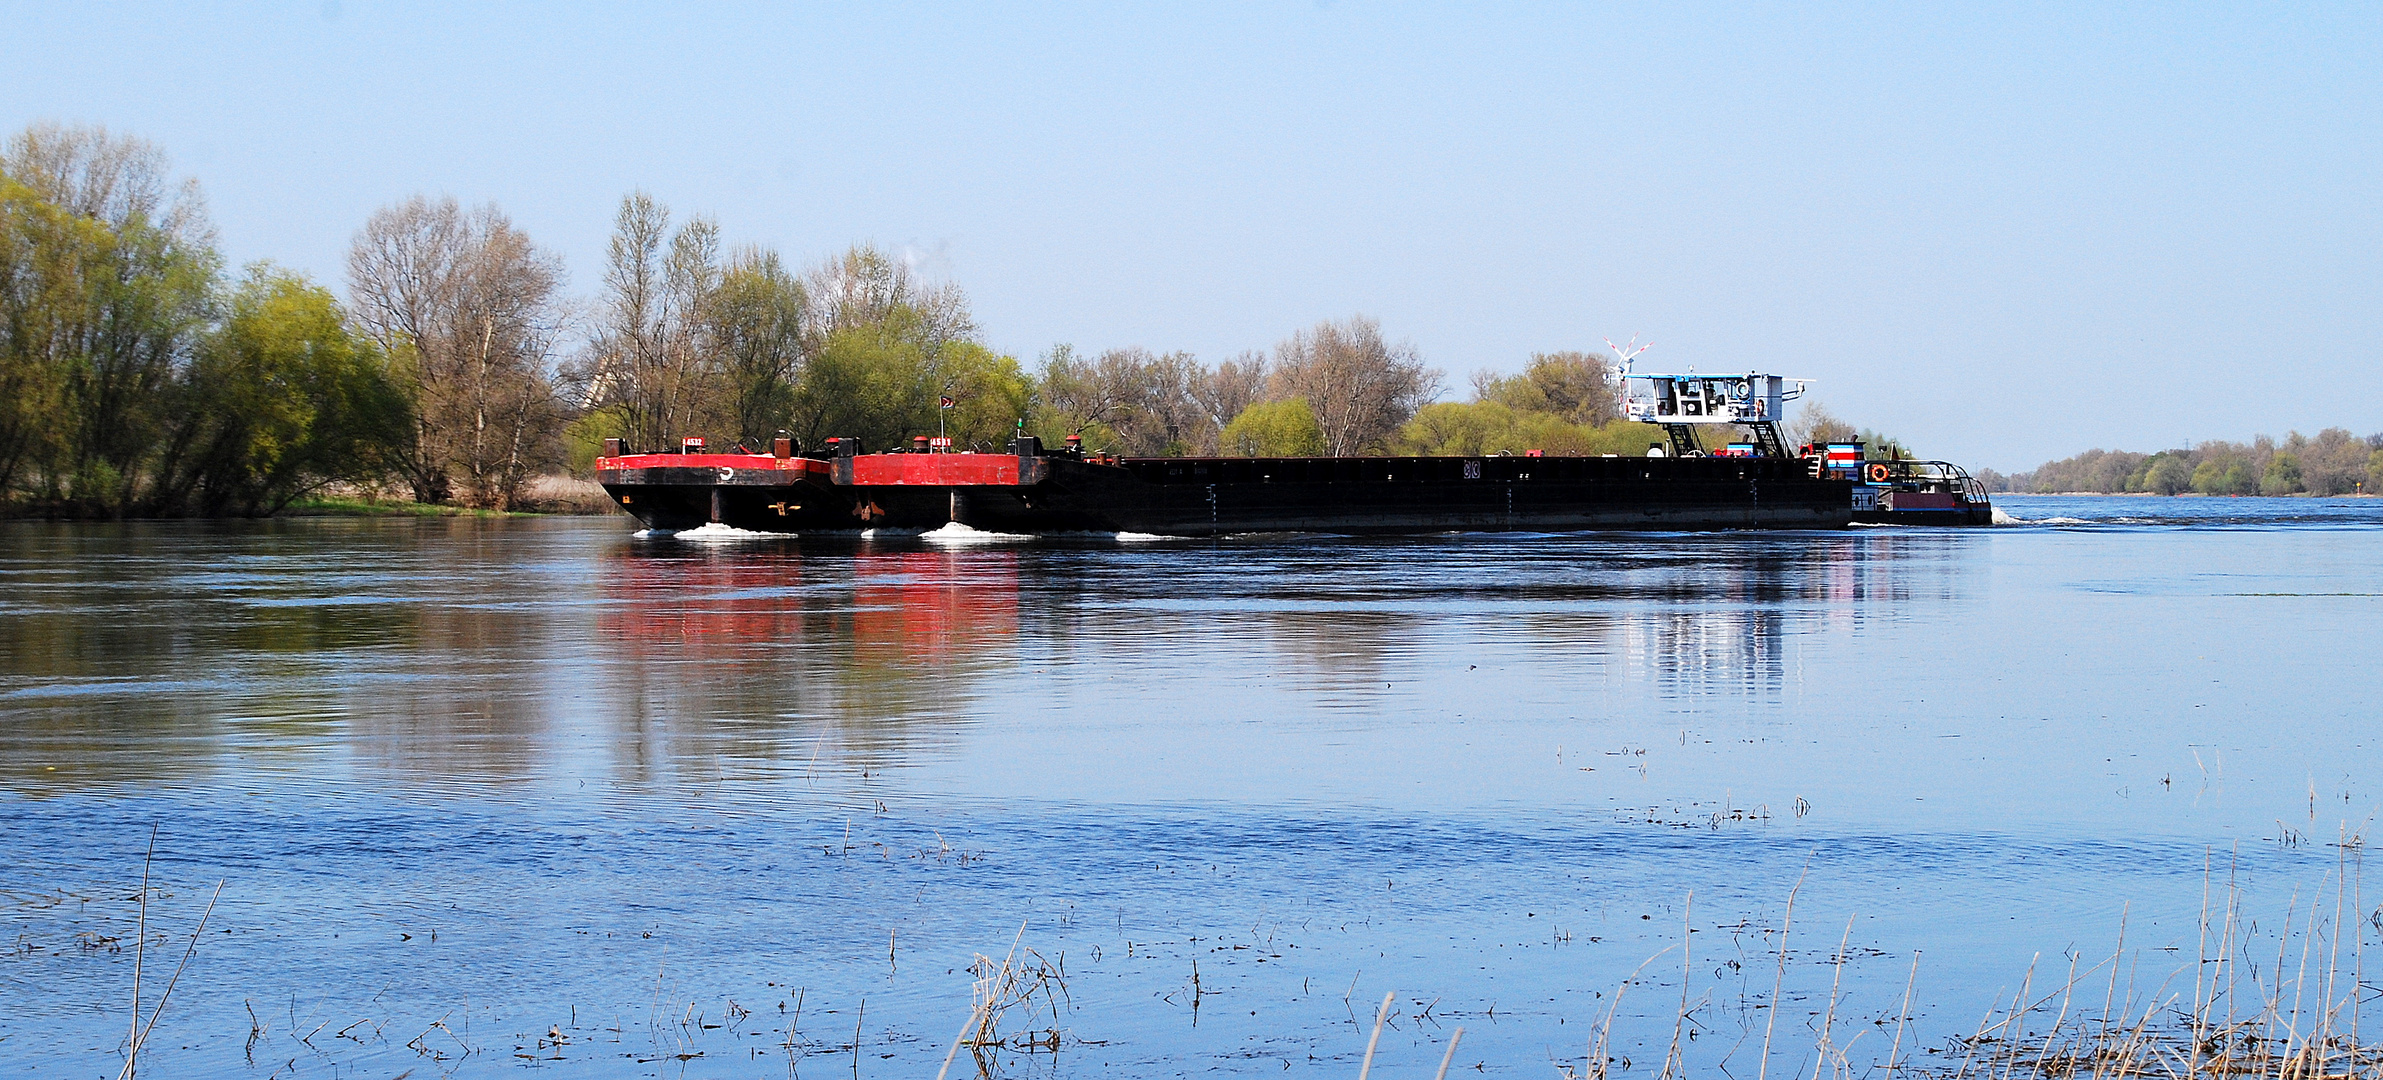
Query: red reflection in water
x,y
919,606
931,605
709,598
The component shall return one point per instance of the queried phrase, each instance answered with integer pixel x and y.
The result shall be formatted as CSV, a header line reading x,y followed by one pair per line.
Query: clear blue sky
x,y
2004,235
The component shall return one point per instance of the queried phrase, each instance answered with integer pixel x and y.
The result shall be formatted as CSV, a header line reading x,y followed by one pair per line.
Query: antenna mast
x,y
1626,354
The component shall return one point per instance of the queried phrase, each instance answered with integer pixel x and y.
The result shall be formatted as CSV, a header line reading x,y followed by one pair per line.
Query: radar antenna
x,y
1626,354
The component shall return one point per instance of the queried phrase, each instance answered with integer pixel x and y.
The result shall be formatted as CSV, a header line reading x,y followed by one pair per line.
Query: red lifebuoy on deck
x,y
1877,472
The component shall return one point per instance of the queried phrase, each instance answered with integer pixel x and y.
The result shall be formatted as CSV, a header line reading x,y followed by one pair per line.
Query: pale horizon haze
x,y
2004,234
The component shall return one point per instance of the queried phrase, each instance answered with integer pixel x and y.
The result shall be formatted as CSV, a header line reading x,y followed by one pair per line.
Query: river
x,y
539,794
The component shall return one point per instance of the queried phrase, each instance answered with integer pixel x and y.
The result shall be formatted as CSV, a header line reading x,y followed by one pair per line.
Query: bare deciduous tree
x,y
653,356
1079,393
1361,388
466,307
1229,389
1147,401
1815,424
1168,417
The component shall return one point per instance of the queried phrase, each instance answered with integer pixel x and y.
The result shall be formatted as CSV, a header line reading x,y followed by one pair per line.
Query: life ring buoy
x,y
1876,471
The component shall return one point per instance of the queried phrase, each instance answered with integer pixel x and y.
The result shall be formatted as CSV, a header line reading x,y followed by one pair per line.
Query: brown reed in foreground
x,y
2291,1016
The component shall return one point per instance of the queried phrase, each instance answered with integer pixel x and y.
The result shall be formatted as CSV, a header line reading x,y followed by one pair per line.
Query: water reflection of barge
x,y
1033,489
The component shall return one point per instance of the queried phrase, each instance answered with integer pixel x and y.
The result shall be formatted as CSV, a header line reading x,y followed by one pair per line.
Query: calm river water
x,y
487,796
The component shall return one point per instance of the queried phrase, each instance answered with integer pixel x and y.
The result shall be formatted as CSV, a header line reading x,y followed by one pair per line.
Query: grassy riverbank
x,y
542,496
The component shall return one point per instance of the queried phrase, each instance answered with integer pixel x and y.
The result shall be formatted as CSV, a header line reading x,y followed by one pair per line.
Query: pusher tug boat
x,y
1033,489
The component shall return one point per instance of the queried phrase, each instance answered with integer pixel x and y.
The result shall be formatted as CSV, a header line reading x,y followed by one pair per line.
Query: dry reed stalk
x,y
140,946
1671,1058
1000,988
957,1040
2296,1030
2013,1036
2201,972
1603,1038
1828,1023
2357,960
133,1054
1903,1015
1454,1037
2333,957
2067,993
2300,975
2283,943
1762,1070
2233,913
2109,995
1379,1018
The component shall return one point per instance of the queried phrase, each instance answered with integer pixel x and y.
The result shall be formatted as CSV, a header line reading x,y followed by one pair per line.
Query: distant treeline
x,y
2334,462
138,377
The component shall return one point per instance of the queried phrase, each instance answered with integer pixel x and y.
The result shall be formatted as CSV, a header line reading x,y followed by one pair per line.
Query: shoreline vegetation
x,y
2334,462
139,379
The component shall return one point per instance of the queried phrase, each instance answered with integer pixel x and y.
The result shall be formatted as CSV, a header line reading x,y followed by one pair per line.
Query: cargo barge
x,y
1031,488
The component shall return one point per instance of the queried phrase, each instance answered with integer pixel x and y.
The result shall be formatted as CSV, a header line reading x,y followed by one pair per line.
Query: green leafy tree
x,y
2168,474
877,345
107,276
2225,475
1490,427
990,393
755,324
2282,475
871,382
283,398
1576,387
1448,427
1275,429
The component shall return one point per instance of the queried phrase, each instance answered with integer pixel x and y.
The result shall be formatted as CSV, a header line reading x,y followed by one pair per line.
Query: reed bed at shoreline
x,y
2254,997
2230,1013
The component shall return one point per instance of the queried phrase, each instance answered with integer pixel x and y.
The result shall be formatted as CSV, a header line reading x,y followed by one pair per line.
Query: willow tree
x,y
282,399
754,322
107,277
881,348
1576,387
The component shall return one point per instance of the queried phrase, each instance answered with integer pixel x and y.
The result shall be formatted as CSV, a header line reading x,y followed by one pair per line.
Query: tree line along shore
x,y
140,377
2334,462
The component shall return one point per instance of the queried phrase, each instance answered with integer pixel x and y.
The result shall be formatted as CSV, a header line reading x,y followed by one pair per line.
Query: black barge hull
x,y
1039,493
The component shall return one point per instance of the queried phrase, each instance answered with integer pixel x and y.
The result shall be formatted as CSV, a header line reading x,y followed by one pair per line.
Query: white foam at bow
x,y
716,533
955,533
